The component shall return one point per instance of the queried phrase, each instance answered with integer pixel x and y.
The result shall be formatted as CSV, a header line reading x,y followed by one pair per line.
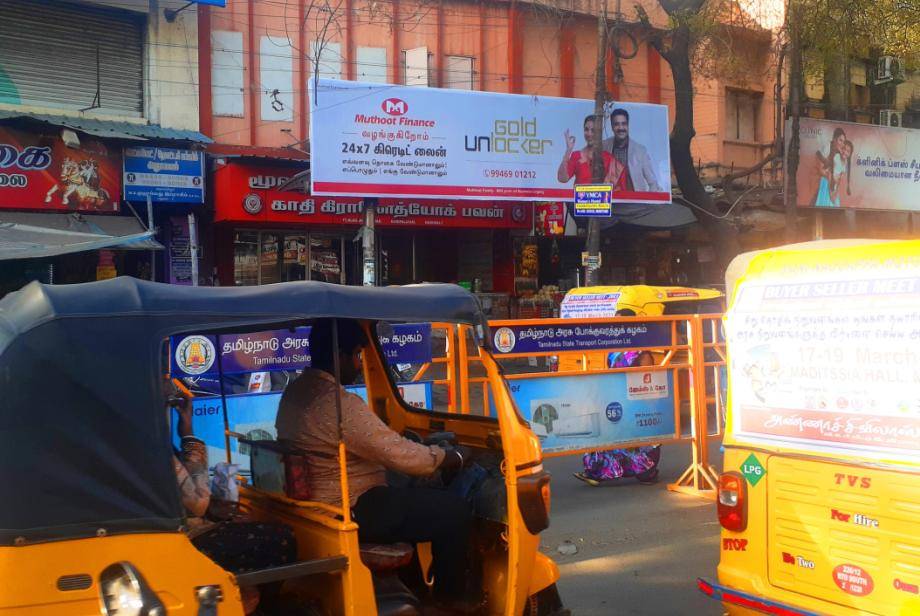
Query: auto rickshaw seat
x,y
280,467
385,557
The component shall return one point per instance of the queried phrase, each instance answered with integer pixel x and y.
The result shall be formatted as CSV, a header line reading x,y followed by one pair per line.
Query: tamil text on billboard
x,y
859,166
376,140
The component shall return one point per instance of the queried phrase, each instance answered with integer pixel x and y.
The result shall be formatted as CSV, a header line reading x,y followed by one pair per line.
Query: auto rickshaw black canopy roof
x,y
85,434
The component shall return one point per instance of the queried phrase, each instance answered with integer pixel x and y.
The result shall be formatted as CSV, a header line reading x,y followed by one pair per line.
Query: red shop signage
x,y
39,172
246,193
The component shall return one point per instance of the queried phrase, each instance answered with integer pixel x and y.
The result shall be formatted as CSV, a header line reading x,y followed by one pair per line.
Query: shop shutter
x,y
48,56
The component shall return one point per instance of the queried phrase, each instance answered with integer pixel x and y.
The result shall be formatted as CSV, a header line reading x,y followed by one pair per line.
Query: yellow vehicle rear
x,y
819,501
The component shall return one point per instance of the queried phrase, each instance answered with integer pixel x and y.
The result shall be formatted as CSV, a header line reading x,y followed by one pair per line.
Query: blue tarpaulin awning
x,y
28,235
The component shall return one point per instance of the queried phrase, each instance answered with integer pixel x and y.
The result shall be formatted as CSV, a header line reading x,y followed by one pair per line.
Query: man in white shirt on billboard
x,y
639,174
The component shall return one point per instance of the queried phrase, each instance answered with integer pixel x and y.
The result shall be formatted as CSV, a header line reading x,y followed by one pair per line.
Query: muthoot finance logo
x,y
517,136
195,354
395,107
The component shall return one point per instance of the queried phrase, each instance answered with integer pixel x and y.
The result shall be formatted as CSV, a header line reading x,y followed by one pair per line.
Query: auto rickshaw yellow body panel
x,y
822,444
60,578
644,301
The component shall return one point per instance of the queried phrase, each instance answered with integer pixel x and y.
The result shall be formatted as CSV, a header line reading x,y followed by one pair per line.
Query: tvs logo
x,y
852,480
395,107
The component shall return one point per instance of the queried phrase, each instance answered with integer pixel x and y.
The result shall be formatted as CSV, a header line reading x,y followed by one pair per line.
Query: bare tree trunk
x,y
795,109
724,235
593,241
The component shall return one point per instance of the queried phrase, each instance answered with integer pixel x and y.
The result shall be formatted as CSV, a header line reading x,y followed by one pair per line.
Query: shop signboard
x,y
597,411
248,194
378,140
509,338
164,175
593,200
38,172
824,357
857,166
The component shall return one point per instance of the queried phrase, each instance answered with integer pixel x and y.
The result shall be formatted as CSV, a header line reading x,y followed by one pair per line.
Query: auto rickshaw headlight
x,y
123,591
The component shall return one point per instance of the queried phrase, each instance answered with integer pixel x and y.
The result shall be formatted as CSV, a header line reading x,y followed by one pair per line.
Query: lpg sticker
x,y
752,470
853,580
905,587
734,545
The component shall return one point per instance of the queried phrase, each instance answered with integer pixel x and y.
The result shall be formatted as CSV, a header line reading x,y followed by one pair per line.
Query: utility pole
x,y
593,243
369,251
791,163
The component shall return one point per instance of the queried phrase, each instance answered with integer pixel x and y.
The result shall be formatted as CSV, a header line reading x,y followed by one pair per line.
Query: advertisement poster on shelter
x,y
825,357
39,172
397,141
858,166
597,411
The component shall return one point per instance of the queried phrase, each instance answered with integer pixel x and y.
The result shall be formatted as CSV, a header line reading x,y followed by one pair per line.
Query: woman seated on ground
x,y
237,546
638,462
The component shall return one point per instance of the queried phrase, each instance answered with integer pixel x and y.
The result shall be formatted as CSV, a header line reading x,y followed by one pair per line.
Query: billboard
x,y
164,175
597,411
859,166
376,140
39,172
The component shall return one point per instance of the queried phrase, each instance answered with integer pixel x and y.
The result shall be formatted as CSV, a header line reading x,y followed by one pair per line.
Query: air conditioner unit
x,y
889,70
891,117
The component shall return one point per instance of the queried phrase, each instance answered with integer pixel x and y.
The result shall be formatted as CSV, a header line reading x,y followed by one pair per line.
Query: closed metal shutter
x,y
48,56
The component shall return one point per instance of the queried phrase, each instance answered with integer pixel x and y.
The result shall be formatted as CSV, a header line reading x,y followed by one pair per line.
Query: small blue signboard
x,y
593,200
221,3
164,174
281,349
590,337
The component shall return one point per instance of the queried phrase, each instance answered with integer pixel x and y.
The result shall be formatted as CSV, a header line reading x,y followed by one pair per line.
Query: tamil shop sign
x,y
39,172
164,175
377,140
247,194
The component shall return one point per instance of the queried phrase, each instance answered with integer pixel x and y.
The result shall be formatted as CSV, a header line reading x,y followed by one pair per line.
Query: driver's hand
x,y
456,456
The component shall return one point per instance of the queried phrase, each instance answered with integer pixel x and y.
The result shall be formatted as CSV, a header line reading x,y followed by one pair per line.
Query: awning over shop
x,y
32,235
109,129
663,216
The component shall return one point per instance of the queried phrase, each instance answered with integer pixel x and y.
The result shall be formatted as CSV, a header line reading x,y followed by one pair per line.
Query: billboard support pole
x,y
593,241
153,253
367,243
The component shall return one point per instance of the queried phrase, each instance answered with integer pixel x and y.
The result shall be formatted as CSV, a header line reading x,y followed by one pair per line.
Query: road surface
x,y
640,548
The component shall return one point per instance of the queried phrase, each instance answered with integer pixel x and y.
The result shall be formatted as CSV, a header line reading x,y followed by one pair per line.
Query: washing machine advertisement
x,y
597,411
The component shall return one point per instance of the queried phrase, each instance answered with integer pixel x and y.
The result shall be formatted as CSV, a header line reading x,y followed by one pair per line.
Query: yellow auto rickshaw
x,y
819,501
91,520
605,302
